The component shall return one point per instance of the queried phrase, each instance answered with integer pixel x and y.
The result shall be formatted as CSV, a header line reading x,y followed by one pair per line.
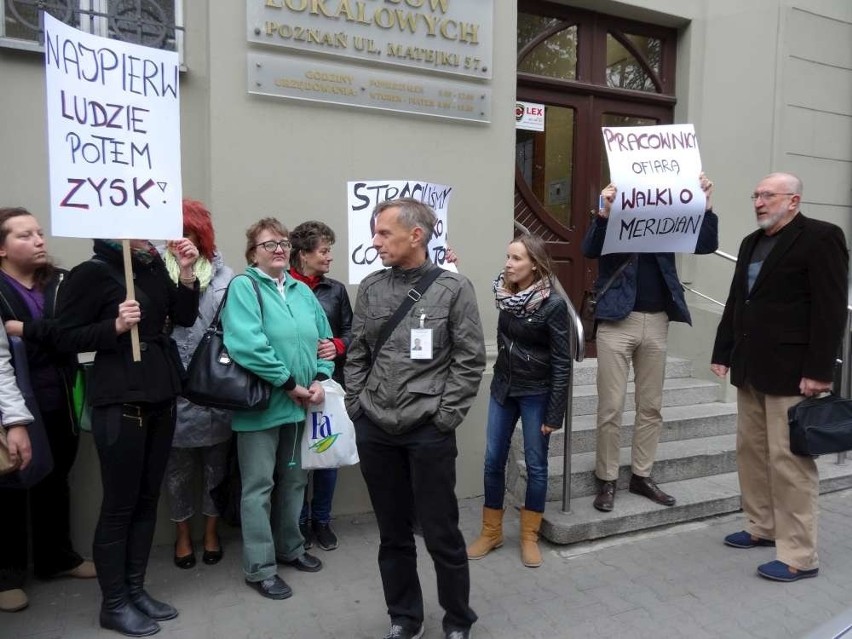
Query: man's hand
x,y
608,195
19,445
812,387
546,430
706,186
719,370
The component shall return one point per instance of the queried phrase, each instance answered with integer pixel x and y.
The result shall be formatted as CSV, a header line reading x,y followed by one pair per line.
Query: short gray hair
x,y
412,214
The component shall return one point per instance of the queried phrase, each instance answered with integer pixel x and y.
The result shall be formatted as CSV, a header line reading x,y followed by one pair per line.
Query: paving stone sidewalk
x,y
675,582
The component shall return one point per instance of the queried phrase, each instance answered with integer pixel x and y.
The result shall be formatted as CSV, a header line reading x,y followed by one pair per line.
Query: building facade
x,y
767,85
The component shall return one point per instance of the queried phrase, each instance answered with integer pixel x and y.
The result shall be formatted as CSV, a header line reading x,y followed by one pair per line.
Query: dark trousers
x,y
414,475
49,513
318,508
133,443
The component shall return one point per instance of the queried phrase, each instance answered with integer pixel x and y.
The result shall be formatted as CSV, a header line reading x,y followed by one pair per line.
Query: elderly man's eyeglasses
x,y
271,245
766,195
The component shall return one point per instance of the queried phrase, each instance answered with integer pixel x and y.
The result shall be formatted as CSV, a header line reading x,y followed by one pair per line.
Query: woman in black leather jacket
x,y
310,261
531,383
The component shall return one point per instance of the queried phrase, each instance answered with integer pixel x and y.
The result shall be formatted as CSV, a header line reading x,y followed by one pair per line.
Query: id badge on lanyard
x,y
420,342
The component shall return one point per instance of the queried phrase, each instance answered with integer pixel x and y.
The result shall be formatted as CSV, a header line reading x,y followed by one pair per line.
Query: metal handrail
x,y
723,255
845,389
577,340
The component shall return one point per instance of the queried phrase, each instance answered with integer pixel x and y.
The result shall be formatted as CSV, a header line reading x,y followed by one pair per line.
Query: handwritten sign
x,y
363,196
113,116
659,206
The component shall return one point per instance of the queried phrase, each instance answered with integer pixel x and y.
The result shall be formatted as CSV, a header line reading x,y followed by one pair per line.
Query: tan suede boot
x,y
491,536
530,523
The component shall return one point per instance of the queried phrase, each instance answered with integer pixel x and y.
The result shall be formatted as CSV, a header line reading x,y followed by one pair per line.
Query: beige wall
x,y
249,156
766,83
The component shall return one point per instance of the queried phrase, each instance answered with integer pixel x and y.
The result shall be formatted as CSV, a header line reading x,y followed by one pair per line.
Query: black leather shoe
x,y
156,610
272,588
186,562
606,496
211,557
305,563
126,619
646,487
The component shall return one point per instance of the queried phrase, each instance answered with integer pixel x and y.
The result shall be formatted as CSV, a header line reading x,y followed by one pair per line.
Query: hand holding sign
x,y
707,187
129,315
659,205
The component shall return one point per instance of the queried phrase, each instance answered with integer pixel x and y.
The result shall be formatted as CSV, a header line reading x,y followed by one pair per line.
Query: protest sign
x,y
362,197
113,118
659,206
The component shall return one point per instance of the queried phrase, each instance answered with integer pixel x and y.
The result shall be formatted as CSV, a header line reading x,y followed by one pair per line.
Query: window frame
x,y
97,25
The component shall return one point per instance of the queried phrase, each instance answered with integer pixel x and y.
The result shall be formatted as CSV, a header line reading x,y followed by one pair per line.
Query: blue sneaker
x,y
743,539
779,571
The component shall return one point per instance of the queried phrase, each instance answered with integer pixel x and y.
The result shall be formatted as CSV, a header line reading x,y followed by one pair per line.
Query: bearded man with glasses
x,y
779,335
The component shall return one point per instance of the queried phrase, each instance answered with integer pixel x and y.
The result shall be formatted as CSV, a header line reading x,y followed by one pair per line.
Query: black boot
x,y
117,612
138,548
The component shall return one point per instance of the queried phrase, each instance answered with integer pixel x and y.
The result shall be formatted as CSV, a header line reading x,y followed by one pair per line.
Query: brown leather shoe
x,y
606,496
646,487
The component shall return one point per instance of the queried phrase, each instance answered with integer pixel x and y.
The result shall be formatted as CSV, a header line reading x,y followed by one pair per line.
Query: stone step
x,y
696,498
586,372
681,391
676,461
679,422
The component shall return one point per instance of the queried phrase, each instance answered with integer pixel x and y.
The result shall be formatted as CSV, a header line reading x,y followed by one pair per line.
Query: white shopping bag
x,y
329,437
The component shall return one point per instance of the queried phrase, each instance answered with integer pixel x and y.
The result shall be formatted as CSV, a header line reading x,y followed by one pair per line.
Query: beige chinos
x,y
779,489
640,338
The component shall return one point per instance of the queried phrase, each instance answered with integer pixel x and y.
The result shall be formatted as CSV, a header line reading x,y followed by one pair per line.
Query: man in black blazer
x,y
779,336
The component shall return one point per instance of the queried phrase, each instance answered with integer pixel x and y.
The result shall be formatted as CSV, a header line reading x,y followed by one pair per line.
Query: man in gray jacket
x,y
406,404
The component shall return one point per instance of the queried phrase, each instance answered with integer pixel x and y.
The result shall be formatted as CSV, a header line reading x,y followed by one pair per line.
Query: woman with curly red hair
x,y
201,434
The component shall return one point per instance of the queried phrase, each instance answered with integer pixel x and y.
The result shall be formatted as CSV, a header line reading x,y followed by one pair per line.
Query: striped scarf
x,y
523,303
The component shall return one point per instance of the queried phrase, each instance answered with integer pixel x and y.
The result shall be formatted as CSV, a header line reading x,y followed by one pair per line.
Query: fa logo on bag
x,y
321,434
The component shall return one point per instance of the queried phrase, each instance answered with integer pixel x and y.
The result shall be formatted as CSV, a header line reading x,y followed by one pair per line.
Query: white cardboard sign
x,y
659,206
362,196
113,115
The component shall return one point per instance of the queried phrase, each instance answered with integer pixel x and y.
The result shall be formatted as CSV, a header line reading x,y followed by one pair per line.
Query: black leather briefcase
x,y
821,425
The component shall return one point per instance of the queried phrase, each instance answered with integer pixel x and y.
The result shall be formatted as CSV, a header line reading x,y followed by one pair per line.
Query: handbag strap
x,y
411,298
216,323
613,277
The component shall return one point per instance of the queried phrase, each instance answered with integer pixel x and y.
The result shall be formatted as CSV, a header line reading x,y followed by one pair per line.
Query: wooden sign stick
x,y
131,295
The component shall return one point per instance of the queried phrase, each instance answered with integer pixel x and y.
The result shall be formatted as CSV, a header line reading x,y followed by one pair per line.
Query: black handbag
x,y
821,425
41,464
215,380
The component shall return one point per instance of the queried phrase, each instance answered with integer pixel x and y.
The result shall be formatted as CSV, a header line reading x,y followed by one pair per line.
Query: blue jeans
x,y
498,437
319,507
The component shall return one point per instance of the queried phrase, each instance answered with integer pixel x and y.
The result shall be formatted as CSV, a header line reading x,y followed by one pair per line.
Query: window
x,y
152,23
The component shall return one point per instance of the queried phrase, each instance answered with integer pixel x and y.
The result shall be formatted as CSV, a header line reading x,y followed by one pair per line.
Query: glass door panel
x,y
546,161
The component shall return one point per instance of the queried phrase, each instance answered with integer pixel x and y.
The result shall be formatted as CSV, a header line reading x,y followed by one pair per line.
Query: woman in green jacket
x,y
272,326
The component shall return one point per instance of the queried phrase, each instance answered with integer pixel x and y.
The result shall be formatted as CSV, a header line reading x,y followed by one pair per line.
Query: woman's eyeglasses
x,y
271,245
